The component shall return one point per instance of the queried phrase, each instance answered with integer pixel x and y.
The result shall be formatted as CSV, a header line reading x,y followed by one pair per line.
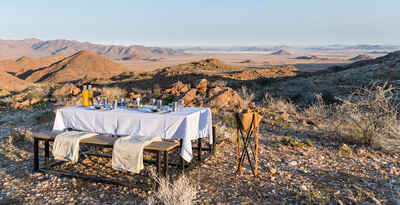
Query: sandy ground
x,y
258,59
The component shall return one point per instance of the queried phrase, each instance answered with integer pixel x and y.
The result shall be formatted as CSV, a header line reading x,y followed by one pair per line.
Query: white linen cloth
x,y
66,145
188,124
128,152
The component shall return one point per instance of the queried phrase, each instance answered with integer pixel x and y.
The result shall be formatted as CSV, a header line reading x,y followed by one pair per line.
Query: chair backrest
x,y
248,121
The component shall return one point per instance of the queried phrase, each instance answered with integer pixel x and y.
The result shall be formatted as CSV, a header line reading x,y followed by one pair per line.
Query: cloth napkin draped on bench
x,y
66,145
128,152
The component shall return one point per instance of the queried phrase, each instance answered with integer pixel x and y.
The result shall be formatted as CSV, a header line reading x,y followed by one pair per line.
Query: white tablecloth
x,y
187,124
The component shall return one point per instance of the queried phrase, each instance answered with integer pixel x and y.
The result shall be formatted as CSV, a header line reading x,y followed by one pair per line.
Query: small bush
x,y
289,141
278,105
113,92
37,91
180,192
246,98
156,90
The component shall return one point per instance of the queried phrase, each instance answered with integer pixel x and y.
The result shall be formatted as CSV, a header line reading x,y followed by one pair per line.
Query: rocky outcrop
x,y
202,86
66,90
227,97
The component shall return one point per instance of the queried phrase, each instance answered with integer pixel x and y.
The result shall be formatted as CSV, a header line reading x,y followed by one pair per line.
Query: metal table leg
x,y
199,149
35,154
214,143
47,153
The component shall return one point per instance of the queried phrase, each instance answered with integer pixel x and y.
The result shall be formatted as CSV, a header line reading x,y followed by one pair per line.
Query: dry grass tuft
x,y
180,192
278,105
246,98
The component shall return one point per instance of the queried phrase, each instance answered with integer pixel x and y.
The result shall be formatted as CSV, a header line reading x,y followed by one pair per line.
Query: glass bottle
x,y
90,95
85,97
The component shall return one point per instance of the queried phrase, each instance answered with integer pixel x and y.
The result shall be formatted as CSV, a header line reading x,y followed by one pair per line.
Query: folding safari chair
x,y
247,130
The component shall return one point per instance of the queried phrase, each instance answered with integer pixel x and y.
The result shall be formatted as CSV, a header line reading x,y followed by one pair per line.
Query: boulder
x,y
190,96
214,91
66,90
202,86
225,98
177,89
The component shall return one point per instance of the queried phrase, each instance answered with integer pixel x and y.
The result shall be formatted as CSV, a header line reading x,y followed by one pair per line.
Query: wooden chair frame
x,y
246,136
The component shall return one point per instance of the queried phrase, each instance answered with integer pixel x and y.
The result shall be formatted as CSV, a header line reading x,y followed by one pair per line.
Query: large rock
x,y
202,86
177,89
66,90
190,97
214,91
228,97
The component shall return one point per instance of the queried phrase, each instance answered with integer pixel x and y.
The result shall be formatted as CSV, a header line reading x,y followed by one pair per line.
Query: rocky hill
x,y
280,53
24,64
339,81
312,57
39,48
9,82
82,65
361,57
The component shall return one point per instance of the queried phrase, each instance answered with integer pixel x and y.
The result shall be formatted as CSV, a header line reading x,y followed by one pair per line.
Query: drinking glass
x,y
159,104
138,101
181,104
98,100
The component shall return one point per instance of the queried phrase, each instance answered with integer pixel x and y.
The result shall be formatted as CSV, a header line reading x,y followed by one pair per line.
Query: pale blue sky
x,y
205,22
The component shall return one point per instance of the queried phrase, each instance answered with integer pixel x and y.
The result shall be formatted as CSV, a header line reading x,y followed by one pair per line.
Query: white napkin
x,y
128,152
66,145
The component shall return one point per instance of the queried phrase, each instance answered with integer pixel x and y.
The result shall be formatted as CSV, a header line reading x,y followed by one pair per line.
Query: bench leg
x,y
35,155
158,161
165,163
199,149
47,153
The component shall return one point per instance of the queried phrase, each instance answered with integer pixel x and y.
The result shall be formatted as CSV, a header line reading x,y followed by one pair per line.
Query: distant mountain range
x,y
378,49
37,48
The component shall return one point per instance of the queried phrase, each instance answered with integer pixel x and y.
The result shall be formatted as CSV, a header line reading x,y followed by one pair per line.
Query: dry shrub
x,y
37,91
317,111
368,116
180,192
246,98
113,92
278,104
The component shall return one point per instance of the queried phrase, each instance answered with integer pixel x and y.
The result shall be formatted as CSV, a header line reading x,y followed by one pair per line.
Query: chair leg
x,y
256,151
238,158
47,153
165,163
35,154
158,162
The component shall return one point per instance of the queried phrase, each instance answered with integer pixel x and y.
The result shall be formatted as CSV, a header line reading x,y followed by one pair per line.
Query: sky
x,y
204,22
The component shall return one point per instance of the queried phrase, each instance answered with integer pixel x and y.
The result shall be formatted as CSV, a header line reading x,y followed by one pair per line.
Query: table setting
x,y
123,118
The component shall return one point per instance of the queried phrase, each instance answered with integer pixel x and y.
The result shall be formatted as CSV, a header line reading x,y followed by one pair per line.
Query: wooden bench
x,y
158,147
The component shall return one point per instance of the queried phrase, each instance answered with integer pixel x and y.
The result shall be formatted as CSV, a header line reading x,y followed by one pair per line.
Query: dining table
x,y
186,124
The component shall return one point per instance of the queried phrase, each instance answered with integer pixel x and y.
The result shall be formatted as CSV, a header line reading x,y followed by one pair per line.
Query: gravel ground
x,y
323,173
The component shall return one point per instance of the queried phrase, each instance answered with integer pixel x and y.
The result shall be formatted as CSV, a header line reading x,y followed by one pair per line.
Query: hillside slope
x,y
9,82
84,64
